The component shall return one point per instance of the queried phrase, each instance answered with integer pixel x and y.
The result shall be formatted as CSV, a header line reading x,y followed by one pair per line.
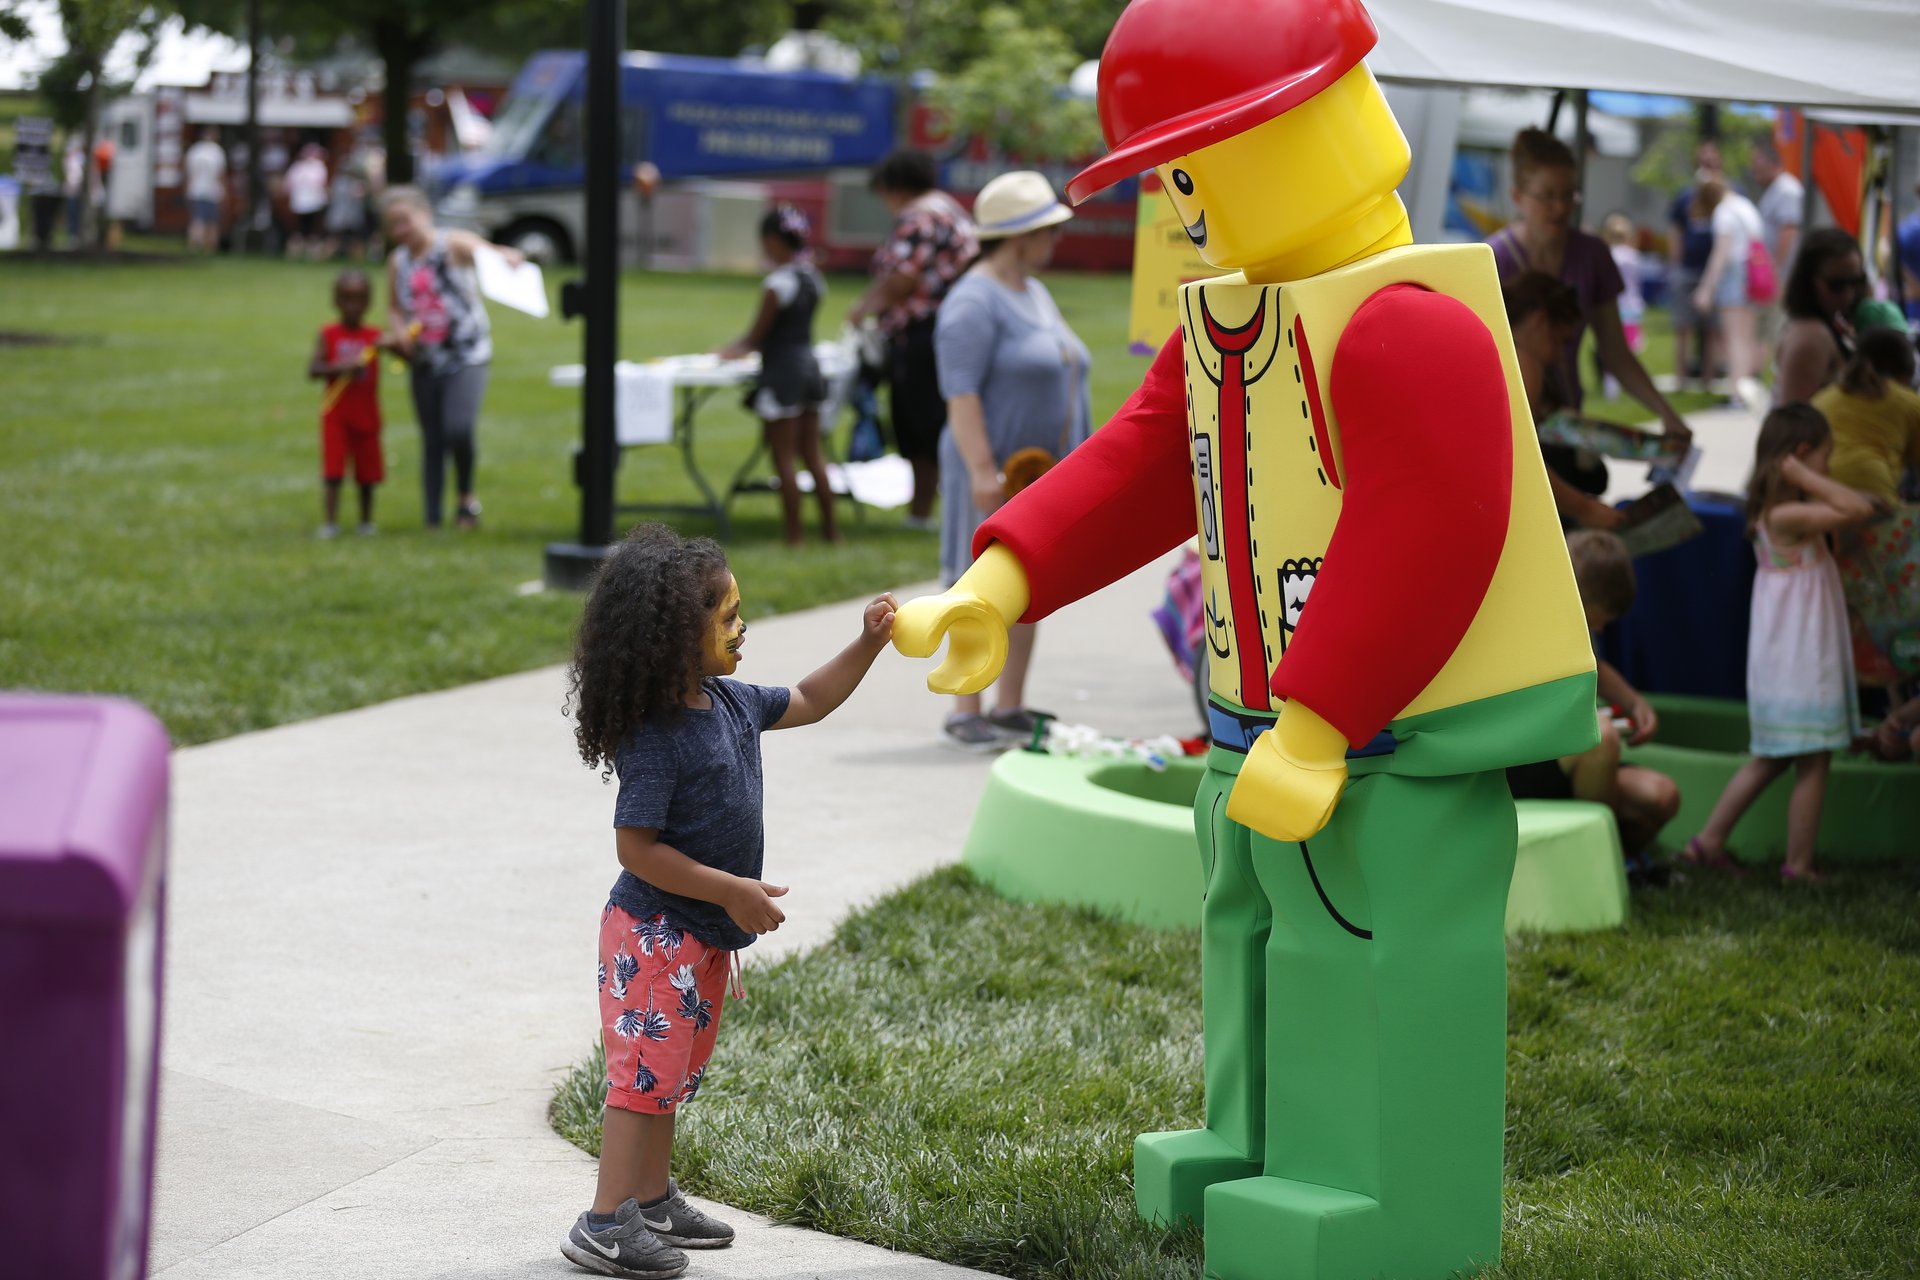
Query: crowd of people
x,y
987,384
1834,453
318,205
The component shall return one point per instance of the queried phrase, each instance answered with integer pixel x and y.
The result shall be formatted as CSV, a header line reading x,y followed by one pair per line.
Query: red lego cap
x,y
1179,75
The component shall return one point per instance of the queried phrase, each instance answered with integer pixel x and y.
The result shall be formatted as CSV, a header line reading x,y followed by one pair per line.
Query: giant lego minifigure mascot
x,y
1392,621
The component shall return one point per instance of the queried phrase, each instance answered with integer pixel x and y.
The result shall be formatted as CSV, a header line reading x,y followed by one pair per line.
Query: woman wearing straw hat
x,y
1015,381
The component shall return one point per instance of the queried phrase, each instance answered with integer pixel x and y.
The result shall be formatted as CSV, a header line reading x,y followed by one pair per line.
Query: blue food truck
x,y
692,118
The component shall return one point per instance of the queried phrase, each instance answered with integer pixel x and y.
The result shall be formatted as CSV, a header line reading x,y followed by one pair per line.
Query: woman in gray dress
x,y
1015,381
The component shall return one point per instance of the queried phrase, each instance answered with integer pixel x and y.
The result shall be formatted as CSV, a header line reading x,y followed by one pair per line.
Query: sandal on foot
x,y
1696,855
1789,876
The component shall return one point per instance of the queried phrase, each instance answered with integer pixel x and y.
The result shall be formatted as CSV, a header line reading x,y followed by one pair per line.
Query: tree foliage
x,y
13,24
76,82
1667,163
945,36
672,26
1013,92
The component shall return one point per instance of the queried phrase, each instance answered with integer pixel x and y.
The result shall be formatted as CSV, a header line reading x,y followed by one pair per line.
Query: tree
x,y
13,25
1667,162
76,84
944,36
1013,93
675,26
400,32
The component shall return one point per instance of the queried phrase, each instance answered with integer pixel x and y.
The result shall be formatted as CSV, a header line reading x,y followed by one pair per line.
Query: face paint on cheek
x,y
725,632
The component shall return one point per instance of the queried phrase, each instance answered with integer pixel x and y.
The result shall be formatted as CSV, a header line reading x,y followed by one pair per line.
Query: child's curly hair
x,y
637,651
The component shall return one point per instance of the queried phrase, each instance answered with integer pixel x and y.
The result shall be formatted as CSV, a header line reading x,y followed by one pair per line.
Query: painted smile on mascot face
x,y
1196,230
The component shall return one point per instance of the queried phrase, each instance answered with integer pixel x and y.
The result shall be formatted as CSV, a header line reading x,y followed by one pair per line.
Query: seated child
x,y
1544,313
346,357
1898,736
1643,800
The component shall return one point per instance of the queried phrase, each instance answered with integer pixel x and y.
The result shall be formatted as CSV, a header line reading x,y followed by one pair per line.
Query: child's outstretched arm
x,y
1829,504
815,698
748,903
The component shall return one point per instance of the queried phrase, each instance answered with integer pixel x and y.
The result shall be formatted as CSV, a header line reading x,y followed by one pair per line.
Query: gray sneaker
x,y
677,1222
973,732
1017,724
625,1249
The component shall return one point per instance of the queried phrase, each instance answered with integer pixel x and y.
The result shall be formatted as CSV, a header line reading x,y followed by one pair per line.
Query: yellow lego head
x,y
1270,200
1267,128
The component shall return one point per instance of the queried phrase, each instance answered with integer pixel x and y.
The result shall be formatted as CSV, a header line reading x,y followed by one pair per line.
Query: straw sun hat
x,y
1016,203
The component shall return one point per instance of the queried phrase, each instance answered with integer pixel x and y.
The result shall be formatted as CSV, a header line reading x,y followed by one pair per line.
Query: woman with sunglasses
x,y
1546,237
1826,284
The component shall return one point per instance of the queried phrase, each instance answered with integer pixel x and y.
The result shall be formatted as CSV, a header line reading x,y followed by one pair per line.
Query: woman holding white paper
x,y
439,325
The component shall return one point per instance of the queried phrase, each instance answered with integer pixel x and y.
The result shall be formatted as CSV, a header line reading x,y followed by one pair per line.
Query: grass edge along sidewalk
x,y
1726,1089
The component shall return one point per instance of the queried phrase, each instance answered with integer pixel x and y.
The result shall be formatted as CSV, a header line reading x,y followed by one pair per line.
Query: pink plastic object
x,y
83,841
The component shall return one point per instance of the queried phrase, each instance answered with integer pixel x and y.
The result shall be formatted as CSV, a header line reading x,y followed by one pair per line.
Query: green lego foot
x,y
1172,1171
1258,1228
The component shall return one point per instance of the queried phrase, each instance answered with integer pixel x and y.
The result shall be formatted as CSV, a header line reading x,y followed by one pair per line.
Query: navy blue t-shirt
x,y
698,781
1696,234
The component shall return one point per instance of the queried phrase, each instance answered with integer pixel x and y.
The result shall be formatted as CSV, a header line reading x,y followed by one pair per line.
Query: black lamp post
x,y
597,298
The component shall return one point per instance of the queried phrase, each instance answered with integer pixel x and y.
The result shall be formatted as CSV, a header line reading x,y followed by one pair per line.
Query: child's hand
x,y
876,623
733,351
752,907
1645,721
1795,470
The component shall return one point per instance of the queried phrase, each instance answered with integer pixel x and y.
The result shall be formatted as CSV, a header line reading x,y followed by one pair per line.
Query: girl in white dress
x,y
1801,698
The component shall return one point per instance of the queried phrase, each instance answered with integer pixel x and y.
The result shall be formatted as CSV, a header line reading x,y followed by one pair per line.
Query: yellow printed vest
x,y
1267,479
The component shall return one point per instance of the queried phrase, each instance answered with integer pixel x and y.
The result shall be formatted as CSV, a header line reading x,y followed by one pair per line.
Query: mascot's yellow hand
x,y
1292,778
972,618
975,633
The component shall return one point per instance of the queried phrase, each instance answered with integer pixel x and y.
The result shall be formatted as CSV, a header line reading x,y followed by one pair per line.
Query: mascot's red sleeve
x,y
1426,443
1114,503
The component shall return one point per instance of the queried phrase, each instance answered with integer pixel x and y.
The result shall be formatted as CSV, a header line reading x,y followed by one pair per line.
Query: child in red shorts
x,y
347,357
652,702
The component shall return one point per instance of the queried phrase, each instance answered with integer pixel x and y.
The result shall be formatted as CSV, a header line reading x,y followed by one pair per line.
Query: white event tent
x,y
1859,55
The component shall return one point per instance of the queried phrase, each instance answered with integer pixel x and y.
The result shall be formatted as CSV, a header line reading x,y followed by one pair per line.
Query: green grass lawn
x,y
159,493
1726,1089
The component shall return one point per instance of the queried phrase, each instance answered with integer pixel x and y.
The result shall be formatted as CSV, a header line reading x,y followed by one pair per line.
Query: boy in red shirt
x,y
346,357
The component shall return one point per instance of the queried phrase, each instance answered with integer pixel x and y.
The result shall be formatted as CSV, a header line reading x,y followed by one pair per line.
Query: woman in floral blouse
x,y
931,243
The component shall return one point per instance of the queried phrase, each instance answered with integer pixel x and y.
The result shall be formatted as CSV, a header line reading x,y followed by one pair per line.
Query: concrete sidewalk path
x,y
380,951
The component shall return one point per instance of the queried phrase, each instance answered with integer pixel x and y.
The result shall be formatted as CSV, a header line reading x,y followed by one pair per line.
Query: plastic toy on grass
x,y
1390,621
1054,736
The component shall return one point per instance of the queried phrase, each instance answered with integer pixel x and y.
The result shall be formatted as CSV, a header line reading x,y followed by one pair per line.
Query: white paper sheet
x,y
522,287
642,403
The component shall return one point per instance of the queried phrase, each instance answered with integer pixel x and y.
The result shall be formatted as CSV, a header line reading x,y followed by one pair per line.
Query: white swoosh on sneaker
x,y
604,1250
665,1224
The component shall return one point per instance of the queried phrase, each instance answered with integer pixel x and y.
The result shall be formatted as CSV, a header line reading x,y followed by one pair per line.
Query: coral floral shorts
x,y
661,991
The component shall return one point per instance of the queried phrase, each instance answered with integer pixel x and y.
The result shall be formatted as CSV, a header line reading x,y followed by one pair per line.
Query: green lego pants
x,y
1355,1011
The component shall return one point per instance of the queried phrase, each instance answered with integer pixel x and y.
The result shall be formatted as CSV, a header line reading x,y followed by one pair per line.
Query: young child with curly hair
x,y
653,703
